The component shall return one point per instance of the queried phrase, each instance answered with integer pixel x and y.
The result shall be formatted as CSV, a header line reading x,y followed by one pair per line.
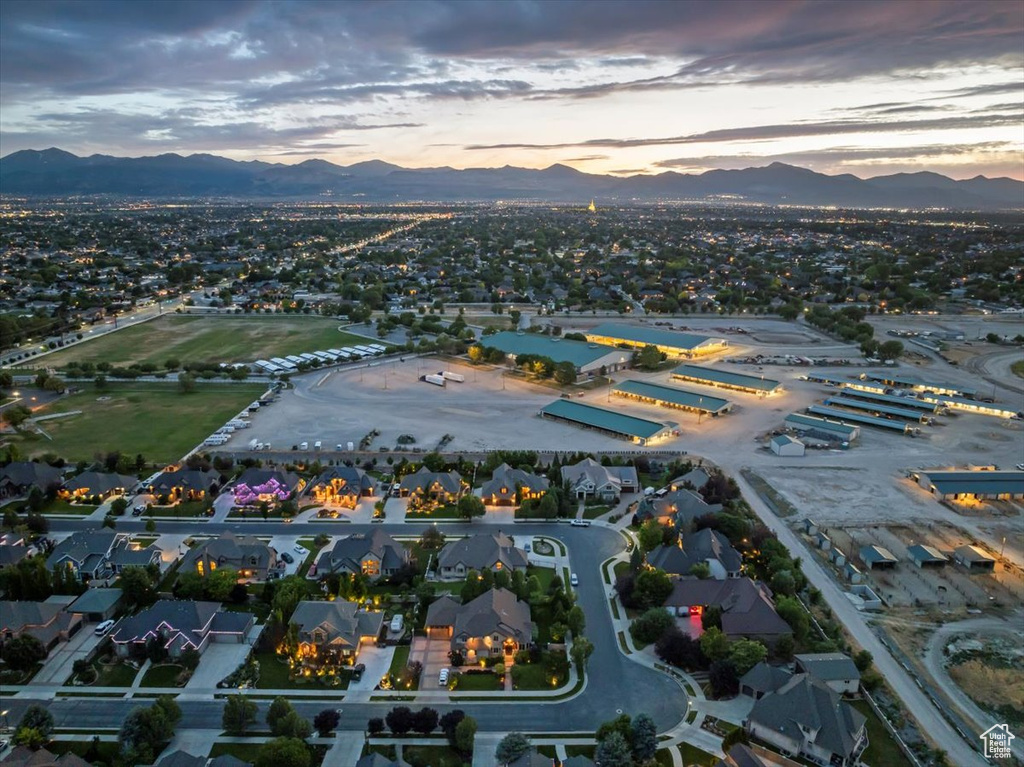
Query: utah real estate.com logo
x,y
997,741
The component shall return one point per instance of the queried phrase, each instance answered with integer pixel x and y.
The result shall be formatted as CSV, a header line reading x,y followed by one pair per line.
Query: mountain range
x,y
54,172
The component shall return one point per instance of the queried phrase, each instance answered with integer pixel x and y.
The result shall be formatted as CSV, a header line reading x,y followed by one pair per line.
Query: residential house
x,y
46,621
93,554
835,669
185,759
495,623
439,486
186,484
694,479
681,508
747,607
763,679
19,477
97,483
23,756
179,625
533,758
97,605
742,755
509,487
249,556
342,486
589,479
484,551
704,546
332,632
376,555
256,485
379,760
808,718
13,550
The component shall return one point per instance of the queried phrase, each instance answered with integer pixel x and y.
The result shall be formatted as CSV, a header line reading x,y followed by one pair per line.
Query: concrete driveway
x,y
220,659
287,544
433,654
377,661
58,666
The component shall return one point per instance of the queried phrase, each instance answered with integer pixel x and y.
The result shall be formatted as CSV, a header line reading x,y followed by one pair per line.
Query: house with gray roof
x,y
46,621
440,486
877,557
808,718
19,477
763,679
510,487
532,758
835,669
376,555
179,624
97,605
694,479
93,554
180,758
97,483
252,558
484,551
741,755
186,484
495,623
257,476
341,485
681,508
747,607
704,546
23,756
332,633
13,550
589,479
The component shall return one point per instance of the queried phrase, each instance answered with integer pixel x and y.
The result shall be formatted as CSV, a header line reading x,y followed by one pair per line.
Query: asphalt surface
x,y
614,683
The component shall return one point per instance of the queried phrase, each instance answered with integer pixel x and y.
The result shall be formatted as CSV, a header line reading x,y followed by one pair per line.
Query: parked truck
x,y
253,443
457,377
437,380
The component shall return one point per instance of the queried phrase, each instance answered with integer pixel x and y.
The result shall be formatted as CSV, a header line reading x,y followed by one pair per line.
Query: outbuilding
x,y
877,558
787,447
926,556
974,559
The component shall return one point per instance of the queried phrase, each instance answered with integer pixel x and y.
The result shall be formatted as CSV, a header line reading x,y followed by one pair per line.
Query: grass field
x,y
209,339
1018,368
153,419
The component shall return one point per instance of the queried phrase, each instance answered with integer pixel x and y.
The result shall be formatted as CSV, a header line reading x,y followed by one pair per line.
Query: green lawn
x,y
274,676
593,512
247,752
544,574
441,512
478,683
1018,368
161,676
209,339
155,420
178,510
433,756
400,659
531,676
691,755
116,675
882,750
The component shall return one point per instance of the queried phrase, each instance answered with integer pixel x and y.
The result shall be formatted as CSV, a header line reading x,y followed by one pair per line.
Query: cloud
x,y
771,132
587,158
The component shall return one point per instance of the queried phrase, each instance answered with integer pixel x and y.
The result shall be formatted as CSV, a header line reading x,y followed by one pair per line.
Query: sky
x,y
603,86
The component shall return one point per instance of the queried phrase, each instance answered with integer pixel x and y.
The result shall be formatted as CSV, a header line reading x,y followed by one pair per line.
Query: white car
x,y
299,548
442,678
573,580
580,523
104,627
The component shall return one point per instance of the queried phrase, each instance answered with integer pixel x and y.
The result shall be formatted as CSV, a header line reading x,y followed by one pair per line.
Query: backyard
x,y
209,339
155,420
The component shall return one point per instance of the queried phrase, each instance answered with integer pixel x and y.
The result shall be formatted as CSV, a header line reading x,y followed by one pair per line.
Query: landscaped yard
x,y
155,420
478,682
56,506
274,676
182,510
544,575
882,750
433,756
118,674
165,675
691,755
209,339
247,752
441,512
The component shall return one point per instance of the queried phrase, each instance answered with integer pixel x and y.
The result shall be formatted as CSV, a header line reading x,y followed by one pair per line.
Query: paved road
x,y
614,683
917,703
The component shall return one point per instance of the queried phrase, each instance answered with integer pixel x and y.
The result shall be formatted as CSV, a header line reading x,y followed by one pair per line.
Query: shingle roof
x,y
828,666
181,759
355,480
746,607
806,701
589,469
26,473
495,611
876,555
764,678
696,547
351,550
421,480
256,475
341,621
233,550
506,477
80,545
186,621
483,550
96,600
190,479
683,505
921,553
100,483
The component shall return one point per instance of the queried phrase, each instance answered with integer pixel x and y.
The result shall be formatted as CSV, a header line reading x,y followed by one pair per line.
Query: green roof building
x,y
670,396
638,430
588,358
673,343
727,379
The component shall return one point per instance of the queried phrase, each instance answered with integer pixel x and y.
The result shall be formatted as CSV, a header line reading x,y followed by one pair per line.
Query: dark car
x,y
357,671
287,557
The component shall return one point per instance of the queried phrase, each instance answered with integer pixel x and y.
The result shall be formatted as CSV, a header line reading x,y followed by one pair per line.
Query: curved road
x,y
614,682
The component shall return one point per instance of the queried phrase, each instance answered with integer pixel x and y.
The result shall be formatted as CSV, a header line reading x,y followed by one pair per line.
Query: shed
x,y
877,558
974,559
852,573
785,446
810,526
822,541
837,557
926,556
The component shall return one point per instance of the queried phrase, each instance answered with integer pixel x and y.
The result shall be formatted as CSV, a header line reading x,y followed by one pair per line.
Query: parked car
x,y
442,678
104,627
396,623
299,548
357,671
580,523
573,580
287,557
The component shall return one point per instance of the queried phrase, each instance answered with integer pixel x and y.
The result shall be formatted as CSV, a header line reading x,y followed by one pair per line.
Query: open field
x,y
209,339
153,419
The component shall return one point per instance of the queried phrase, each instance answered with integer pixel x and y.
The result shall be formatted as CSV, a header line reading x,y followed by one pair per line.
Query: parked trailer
x,y
324,357
437,380
457,377
379,348
859,418
253,443
877,408
309,357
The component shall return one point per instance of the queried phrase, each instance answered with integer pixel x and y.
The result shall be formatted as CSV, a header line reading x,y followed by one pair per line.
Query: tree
x,y
239,713
326,721
186,382
293,725
701,570
733,737
650,535
118,506
745,654
399,720
582,649
37,718
652,588
450,721
23,652
279,709
565,373
470,506
432,538
576,620
16,415
724,679
150,525
613,751
465,735
648,358
714,644
791,611
425,720
137,587
170,708
30,738
890,350
143,733
511,747
283,752
863,660
679,649
645,738
650,626
11,519
375,726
